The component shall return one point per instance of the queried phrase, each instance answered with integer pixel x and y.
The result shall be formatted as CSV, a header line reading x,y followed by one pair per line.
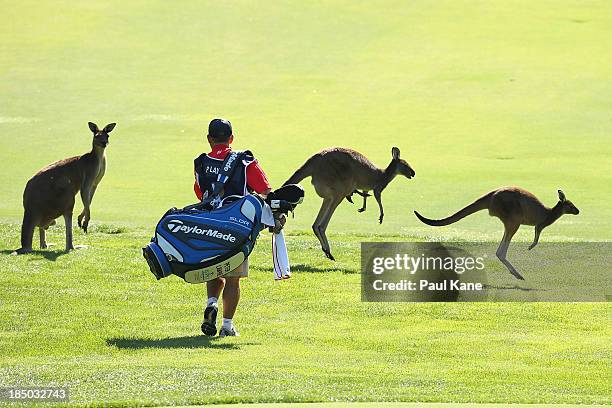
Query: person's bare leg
x,y
214,287
231,296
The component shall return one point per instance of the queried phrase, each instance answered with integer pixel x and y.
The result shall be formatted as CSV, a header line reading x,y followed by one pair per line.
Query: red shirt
x,y
256,178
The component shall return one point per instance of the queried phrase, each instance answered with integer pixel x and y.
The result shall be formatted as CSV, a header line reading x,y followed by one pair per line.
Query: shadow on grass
x,y
49,255
515,287
314,269
173,342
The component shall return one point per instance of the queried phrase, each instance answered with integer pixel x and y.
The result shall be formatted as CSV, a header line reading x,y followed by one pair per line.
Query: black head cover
x,y
292,193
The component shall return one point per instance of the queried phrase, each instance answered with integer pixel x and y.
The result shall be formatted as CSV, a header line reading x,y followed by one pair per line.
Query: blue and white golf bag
x,y
199,245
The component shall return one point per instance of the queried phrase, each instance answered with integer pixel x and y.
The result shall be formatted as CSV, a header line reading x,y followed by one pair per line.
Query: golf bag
x,y
200,244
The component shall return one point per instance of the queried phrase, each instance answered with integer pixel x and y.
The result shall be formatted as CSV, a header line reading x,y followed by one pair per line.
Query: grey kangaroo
x,y
51,192
337,173
514,206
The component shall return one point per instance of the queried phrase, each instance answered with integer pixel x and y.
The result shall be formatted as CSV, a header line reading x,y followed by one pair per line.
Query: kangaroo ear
x,y
561,195
395,152
93,127
108,128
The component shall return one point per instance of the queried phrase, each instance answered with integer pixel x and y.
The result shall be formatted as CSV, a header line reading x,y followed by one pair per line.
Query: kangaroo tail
x,y
480,204
304,171
27,230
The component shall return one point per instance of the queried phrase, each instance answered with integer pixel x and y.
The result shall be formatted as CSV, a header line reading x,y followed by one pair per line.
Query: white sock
x,y
212,300
227,323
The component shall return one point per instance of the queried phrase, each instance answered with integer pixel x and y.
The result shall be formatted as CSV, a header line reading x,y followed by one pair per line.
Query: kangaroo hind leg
x,y
325,222
502,250
316,227
42,228
320,225
43,238
68,222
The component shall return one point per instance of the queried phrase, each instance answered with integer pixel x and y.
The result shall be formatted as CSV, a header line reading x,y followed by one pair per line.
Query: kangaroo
x,y
337,172
514,206
51,192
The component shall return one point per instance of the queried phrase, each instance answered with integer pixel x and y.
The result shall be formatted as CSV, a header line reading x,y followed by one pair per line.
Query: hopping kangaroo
x,y
514,206
51,192
339,172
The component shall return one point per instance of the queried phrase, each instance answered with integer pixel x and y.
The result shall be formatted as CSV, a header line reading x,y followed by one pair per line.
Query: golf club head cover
x,y
291,193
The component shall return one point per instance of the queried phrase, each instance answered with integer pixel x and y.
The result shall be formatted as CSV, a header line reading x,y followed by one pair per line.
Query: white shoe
x,y
228,332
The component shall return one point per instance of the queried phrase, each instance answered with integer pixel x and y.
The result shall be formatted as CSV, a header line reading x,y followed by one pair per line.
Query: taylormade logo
x,y
177,226
229,162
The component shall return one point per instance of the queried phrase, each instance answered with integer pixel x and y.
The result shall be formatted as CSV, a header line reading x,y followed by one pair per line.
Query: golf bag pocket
x,y
199,245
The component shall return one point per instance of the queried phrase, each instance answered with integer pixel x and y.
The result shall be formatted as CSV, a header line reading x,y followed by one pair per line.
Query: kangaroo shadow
x,y
49,255
173,343
315,269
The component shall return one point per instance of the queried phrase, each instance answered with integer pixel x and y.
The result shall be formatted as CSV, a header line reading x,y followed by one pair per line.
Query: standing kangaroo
x,y
337,173
51,192
514,206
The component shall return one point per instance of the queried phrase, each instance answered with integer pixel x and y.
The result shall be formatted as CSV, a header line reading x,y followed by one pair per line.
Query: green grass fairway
x,y
476,94
96,321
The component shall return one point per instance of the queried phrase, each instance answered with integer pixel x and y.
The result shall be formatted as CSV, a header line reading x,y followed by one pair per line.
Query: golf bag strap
x,y
227,170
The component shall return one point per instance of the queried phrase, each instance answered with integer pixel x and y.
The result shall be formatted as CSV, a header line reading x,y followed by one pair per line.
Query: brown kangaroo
x,y
514,206
51,192
337,173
